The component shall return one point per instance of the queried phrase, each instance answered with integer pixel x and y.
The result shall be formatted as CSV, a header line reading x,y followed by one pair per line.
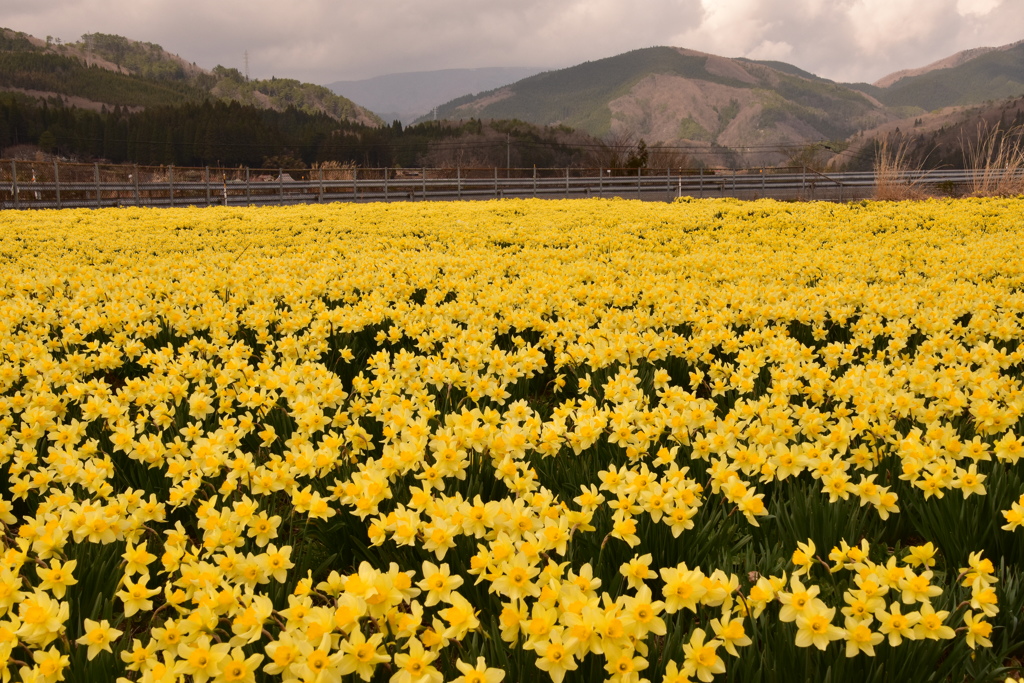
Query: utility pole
x,y
246,66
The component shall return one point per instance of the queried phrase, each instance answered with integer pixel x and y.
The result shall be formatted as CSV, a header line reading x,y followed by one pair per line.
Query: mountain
x,y
672,95
105,70
963,79
658,106
407,96
949,62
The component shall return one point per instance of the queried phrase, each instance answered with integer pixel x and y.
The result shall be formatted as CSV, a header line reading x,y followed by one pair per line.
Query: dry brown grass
x,y
894,177
333,170
997,160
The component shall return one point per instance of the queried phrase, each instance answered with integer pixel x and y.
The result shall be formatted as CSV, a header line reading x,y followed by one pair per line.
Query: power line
x,y
481,144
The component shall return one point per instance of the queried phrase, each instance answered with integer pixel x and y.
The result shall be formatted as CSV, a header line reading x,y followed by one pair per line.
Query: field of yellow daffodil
x,y
485,441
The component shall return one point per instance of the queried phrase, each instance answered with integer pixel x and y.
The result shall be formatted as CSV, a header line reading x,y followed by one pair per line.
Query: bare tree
x,y
664,156
614,151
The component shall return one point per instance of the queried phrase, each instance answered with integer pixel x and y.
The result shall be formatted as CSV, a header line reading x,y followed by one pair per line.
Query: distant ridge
x,y
964,79
410,95
949,62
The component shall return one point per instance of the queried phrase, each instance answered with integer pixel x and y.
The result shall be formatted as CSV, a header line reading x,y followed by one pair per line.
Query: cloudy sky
x,y
328,40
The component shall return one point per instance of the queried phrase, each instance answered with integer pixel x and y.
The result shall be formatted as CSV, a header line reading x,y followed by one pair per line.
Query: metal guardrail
x,y
53,185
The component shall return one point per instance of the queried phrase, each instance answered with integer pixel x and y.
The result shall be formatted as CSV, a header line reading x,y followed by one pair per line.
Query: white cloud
x,y
976,7
878,25
771,50
728,27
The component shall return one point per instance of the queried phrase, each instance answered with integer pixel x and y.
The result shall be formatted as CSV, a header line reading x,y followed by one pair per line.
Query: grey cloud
x,y
324,41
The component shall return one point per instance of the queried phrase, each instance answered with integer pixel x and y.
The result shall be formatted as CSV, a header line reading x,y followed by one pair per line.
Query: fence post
x,y
534,181
206,182
280,186
96,180
803,182
734,182
458,180
638,183
566,182
170,177
248,187
14,179
668,184
762,181
135,183
56,182
385,184
423,177
355,187
701,194
320,194
496,181
600,182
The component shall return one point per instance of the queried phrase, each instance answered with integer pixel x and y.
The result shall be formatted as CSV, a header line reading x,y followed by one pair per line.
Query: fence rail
x,y
45,185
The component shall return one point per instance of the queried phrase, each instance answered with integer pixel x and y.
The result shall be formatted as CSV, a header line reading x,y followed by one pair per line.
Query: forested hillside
x,y
955,143
233,134
57,74
117,71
